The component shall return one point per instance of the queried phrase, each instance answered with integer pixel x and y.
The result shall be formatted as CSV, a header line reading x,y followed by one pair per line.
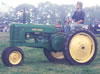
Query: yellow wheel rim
x,y
15,57
82,47
57,55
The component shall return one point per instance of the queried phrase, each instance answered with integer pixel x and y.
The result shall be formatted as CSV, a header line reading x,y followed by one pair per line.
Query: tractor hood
x,y
34,28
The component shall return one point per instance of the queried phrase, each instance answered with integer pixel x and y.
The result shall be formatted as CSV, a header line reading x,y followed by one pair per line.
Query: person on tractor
x,y
78,16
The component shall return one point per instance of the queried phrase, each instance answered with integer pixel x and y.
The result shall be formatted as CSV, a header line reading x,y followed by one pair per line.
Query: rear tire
x,y
54,56
80,47
12,56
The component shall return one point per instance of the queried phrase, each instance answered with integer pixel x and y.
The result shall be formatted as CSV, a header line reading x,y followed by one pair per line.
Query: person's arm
x,y
81,18
73,17
78,22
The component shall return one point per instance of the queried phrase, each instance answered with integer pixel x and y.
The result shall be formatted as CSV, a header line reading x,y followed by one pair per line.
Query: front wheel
x,y
80,47
13,56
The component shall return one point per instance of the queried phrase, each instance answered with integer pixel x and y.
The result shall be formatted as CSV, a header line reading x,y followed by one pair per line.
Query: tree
x,y
23,11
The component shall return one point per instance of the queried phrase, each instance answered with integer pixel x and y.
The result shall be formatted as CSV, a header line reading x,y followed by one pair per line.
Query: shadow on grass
x,y
32,62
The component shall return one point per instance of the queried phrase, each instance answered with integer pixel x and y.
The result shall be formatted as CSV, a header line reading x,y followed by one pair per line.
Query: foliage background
x,y
47,13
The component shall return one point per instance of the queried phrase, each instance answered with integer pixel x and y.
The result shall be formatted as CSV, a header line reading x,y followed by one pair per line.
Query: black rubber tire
x,y
68,57
49,56
6,53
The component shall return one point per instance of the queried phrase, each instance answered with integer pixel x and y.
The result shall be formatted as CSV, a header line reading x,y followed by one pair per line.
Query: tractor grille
x,y
16,33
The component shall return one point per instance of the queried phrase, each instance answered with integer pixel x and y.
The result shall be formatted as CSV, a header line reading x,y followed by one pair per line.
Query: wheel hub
x,y
15,57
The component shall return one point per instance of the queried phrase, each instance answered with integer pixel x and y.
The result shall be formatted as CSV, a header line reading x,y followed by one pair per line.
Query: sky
x,y
14,3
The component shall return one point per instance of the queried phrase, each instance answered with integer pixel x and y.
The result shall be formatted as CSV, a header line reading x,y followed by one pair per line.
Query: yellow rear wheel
x,y
80,47
57,55
54,56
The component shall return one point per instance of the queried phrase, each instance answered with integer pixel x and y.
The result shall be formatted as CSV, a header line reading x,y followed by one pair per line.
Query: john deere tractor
x,y
59,43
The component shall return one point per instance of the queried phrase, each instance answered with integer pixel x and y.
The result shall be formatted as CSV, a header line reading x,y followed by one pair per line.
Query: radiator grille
x,y
16,33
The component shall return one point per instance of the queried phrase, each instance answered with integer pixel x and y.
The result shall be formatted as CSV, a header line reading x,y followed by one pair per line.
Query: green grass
x,y
36,63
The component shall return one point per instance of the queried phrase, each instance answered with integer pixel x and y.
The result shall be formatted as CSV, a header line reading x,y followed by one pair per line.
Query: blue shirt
x,y
79,15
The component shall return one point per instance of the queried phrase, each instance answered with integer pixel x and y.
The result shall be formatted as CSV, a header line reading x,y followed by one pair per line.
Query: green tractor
x,y
78,46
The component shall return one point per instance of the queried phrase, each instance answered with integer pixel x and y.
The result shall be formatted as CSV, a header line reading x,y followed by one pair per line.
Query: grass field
x,y
36,63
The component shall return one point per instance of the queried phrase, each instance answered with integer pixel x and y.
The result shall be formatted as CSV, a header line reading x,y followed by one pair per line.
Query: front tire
x,y
80,47
12,56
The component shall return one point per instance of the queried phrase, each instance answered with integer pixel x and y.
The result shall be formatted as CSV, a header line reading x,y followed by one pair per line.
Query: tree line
x,y
46,13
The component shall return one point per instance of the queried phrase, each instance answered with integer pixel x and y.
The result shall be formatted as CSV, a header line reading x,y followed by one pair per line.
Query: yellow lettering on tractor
x,y
37,29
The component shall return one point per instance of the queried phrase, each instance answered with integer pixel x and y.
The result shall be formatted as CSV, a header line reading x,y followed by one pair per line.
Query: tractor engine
x,y
41,36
